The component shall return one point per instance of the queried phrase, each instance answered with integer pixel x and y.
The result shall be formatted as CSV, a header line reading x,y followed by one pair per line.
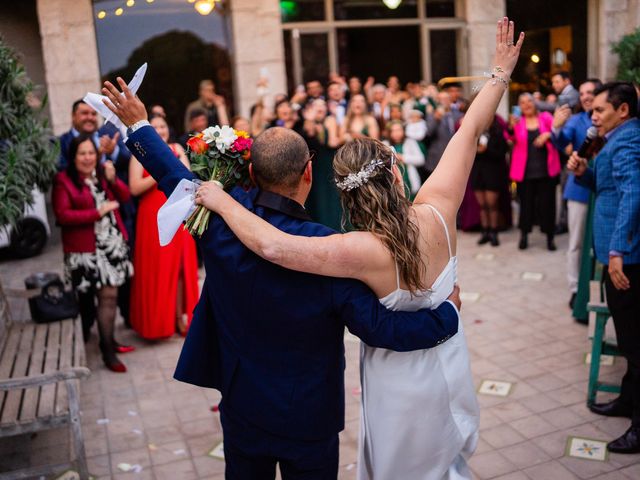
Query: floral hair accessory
x,y
356,180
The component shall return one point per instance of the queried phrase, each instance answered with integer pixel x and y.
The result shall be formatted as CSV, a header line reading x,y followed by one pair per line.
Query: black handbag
x,y
53,303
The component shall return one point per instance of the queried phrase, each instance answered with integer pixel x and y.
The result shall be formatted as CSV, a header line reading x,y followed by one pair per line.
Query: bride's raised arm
x,y
446,186
357,255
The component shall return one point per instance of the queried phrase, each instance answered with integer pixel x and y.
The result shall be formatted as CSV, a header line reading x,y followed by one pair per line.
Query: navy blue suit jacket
x,y
271,339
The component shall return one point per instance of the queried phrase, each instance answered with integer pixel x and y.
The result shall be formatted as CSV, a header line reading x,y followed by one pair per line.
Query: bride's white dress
x,y
420,415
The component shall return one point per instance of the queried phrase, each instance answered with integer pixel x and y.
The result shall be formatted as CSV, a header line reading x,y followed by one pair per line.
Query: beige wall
x,y
615,18
70,55
257,43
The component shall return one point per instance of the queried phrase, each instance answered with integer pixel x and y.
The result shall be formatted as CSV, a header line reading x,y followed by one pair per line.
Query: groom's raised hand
x,y
126,106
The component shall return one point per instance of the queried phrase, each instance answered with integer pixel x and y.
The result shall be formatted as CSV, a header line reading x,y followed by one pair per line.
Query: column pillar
x,y
257,43
70,55
482,17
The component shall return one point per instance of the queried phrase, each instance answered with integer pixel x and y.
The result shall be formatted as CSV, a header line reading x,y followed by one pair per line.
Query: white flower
x,y
222,137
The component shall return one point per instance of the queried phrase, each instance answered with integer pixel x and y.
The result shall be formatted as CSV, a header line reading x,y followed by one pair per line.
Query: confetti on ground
x,y
495,388
133,413
357,391
217,451
152,447
137,431
180,451
477,321
215,408
605,360
469,296
485,256
586,448
102,421
351,466
533,276
124,467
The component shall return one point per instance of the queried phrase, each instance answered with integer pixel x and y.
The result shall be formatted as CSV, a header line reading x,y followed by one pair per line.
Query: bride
x,y
419,415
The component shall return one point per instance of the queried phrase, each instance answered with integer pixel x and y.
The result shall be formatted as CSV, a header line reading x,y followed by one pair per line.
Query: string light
x,y
535,58
131,3
102,14
119,11
205,7
149,1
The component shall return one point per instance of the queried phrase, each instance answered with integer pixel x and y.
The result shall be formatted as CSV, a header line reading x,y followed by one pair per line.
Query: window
x,y
181,46
302,10
373,9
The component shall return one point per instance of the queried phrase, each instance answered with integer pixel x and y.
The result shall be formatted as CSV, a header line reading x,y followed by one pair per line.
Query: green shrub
x,y
27,154
628,50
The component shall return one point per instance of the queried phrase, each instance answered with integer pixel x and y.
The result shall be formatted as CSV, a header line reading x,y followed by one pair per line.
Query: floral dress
x,y
109,265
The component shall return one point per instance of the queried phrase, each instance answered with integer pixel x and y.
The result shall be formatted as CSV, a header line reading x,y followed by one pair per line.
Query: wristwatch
x,y
136,126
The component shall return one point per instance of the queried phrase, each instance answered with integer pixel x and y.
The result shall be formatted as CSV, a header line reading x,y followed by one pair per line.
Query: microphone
x,y
592,134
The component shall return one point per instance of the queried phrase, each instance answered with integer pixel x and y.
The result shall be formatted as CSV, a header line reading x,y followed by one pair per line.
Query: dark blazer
x,y
439,132
615,178
271,339
76,211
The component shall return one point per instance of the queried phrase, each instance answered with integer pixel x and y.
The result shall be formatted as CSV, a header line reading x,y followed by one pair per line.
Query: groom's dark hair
x,y
278,156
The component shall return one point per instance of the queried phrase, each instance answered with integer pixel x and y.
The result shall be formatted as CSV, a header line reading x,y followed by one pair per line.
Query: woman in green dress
x,y
322,135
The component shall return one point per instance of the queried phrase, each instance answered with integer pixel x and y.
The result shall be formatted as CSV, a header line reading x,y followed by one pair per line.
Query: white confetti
x,y
102,421
137,431
124,467
180,451
133,413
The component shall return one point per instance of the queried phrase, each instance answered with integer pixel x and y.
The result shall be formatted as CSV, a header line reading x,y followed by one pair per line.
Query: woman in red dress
x,y
164,290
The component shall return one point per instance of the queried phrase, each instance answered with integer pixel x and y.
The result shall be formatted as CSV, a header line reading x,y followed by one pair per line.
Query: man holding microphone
x,y
615,179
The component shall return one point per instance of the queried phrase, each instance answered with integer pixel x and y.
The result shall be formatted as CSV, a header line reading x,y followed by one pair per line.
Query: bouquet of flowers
x,y
220,154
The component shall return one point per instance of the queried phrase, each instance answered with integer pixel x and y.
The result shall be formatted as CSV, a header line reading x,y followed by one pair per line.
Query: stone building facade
x,y
62,51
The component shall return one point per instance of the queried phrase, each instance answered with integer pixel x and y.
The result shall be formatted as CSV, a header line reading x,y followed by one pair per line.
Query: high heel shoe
x,y
182,325
493,238
551,246
524,242
111,361
485,238
123,348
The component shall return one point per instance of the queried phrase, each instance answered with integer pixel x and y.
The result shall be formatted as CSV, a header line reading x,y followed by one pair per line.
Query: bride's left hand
x,y
210,195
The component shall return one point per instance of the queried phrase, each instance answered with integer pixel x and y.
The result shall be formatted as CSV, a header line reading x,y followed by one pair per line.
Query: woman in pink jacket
x,y
535,165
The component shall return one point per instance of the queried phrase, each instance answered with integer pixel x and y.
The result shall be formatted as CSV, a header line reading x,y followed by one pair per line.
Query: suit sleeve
x,y
377,326
626,175
158,159
565,136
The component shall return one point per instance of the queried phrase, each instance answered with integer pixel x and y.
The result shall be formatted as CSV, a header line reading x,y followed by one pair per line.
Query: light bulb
x,y
392,4
119,11
204,7
131,3
535,58
102,14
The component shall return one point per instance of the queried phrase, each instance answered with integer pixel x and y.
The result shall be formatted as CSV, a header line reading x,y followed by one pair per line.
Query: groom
x,y
270,339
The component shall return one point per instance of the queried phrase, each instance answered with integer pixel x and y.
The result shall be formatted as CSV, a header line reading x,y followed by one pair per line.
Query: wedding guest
x,y
321,132
359,122
377,98
213,104
111,149
85,199
169,273
286,117
198,121
410,155
355,87
535,165
241,123
441,125
615,180
394,92
336,102
571,130
489,177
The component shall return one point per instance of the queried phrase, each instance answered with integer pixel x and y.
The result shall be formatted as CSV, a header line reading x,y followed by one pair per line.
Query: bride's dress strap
x,y
444,224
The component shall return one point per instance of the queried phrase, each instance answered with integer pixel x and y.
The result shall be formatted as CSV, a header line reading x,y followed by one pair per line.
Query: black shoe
x,y
493,238
627,443
484,238
614,408
572,301
551,246
524,243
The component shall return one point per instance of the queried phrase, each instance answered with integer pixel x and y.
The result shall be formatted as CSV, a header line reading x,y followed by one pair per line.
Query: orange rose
x,y
197,145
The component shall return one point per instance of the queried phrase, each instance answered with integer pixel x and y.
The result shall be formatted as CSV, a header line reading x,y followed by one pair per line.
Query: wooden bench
x,y
40,369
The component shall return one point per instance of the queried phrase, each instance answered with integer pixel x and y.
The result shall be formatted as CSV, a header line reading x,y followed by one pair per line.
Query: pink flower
x,y
241,144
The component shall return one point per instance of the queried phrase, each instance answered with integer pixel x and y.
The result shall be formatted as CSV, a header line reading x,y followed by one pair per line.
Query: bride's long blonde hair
x,y
379,206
